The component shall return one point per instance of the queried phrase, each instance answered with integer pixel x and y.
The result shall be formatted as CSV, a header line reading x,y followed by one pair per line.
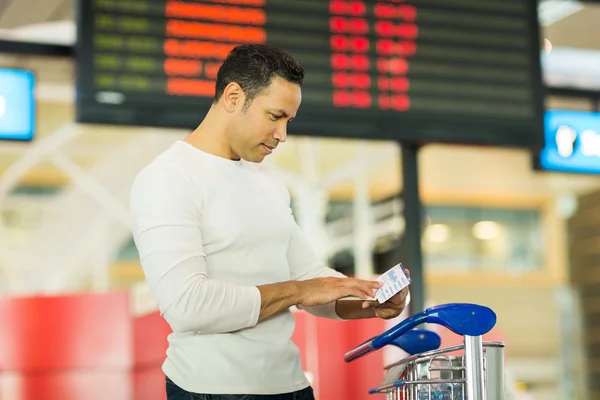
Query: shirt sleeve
x,y
167,232
304,265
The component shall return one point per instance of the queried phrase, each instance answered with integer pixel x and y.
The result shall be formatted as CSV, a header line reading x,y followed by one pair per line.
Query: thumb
x,y
368,304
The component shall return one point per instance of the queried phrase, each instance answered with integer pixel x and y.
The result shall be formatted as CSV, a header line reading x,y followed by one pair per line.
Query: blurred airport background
x,y
511,222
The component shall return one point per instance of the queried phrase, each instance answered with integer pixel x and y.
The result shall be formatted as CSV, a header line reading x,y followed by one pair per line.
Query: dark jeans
x,y
174,392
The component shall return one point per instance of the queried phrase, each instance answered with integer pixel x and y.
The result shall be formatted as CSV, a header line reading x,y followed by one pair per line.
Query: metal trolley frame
x,y
430,373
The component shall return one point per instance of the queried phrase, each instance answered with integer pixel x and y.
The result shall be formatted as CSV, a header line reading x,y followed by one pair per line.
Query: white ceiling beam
x,y
552,11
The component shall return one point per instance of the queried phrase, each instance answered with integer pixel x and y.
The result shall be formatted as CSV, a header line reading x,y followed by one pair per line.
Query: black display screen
x,y
460,71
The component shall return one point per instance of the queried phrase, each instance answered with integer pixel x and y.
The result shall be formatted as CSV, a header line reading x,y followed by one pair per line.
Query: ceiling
x,y
578,28
19,13
29,19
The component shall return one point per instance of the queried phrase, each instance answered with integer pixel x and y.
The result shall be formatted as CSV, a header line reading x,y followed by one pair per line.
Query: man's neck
x,y
210,137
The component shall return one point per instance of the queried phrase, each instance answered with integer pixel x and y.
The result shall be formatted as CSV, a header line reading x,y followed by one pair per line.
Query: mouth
x,y
268,148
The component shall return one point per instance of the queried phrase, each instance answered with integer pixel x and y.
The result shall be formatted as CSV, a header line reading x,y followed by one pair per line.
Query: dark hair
x,y
253,67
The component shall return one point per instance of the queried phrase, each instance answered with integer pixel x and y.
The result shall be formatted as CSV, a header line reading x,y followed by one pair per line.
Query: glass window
x,y
128,252
468,238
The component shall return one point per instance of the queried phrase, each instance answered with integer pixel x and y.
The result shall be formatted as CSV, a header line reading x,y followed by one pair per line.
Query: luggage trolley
x,y
430,373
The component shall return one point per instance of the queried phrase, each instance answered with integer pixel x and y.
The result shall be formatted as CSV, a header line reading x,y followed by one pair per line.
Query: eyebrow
x,y
283,113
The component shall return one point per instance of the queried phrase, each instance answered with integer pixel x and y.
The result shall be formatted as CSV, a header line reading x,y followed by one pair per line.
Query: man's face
x,y
257,131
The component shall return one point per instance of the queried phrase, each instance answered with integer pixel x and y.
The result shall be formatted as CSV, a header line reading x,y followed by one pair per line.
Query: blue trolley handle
x,y
417,341
462,319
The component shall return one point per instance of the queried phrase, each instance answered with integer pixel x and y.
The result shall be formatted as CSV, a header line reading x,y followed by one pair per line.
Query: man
x,y
220,248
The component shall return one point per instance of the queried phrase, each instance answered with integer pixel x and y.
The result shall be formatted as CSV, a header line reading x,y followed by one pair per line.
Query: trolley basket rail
x,y
474,372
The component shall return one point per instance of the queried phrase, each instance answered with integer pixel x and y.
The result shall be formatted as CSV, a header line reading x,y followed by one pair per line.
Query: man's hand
x,y
318,291
392,307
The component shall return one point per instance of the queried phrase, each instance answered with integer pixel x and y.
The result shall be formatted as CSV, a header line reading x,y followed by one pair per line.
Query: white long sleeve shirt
x,y
208,231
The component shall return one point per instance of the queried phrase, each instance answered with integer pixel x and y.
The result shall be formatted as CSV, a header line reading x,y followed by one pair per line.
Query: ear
x,y
233,97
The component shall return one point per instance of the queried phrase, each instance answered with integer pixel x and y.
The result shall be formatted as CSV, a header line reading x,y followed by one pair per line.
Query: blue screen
x,y
17,104
572,142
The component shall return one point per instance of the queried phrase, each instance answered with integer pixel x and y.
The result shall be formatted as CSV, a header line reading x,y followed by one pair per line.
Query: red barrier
x,y
66,385
150,345
78,331
88,346
149,340
65,347
149,384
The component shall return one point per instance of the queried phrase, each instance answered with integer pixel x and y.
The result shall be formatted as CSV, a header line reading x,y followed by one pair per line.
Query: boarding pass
x,y
394,280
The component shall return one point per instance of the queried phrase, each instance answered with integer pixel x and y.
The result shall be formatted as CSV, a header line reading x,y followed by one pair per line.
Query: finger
x,y
369,304
367,287
373,287
369,284
399,298
387,313
374,284
364,292
397,303
359,293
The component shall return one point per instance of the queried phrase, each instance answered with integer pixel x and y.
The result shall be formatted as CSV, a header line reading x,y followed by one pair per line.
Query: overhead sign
x,y
572,142
462,71
17,104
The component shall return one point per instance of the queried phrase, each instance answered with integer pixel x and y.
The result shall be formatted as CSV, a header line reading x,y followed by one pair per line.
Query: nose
x,y
280,133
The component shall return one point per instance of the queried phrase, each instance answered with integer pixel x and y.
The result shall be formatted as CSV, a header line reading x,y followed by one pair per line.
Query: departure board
x,y
459,71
